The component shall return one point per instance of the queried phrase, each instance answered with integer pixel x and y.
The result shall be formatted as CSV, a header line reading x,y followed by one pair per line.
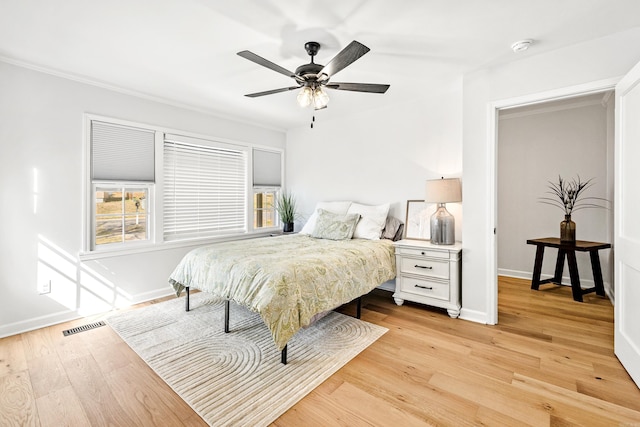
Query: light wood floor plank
x,y
94,393
61,407
18,407
548,362
12,356
47,375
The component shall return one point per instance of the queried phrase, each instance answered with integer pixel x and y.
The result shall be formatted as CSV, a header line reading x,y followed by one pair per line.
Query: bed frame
x,y
283,354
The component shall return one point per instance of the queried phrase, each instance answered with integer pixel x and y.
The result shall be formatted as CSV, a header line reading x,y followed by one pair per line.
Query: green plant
x,y
569,195
286,207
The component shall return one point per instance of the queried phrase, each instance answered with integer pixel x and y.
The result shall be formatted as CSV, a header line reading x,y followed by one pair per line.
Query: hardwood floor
x,y
549,362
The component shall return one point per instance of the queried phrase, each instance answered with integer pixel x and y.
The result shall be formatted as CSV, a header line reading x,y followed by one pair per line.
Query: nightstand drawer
x,y
425,267
423,252
427,288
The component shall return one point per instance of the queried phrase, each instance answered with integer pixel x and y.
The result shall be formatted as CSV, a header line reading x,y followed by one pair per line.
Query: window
x,y
267,178
147,187
264,208
204,188
122,178
121,214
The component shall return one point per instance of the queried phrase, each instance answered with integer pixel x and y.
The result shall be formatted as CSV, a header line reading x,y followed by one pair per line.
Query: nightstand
x,y
429,274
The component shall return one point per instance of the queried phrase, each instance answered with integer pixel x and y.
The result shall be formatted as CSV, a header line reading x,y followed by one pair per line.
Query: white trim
x,y
177,244
137,94
544,109
492,214
491,147
516,273
473,315
566,280
68,315
158,220
87,207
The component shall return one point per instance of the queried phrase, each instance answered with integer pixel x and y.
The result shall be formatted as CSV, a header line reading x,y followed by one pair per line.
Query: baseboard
x,y
566,280
473,316
68,315
515,273
37,323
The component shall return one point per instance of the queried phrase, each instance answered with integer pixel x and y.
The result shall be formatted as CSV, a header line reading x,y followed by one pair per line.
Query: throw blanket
x,y
287,279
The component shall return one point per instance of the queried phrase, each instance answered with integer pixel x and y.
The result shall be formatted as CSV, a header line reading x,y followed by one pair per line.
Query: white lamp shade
x,y
443,191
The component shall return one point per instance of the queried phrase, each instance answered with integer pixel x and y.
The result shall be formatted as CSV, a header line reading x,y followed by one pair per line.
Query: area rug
x,y
237,378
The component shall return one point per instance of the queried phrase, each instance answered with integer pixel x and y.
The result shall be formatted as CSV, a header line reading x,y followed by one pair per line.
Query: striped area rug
x,y
237,378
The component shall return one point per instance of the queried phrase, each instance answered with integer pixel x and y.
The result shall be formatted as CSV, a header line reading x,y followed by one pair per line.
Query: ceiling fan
x,y
313,78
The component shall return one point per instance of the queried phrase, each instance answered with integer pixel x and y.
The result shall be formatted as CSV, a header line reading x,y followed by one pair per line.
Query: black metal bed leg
x,y
226,316
359,308
187,299
283,356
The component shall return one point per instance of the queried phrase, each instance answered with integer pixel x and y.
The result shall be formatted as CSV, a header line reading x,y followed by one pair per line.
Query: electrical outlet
x,y
45,287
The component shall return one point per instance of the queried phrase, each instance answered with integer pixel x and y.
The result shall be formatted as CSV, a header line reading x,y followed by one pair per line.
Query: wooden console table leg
x,y
557,275
537,268
575,277
597,272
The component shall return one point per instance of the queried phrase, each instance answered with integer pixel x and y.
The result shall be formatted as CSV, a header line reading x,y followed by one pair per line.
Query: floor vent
x,y
83,328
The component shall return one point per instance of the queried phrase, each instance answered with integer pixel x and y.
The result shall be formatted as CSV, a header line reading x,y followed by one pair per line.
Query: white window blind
x,y
267,167
204,188
122,153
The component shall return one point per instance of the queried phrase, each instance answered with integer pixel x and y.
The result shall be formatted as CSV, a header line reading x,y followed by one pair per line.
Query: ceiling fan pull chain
x,y
313,119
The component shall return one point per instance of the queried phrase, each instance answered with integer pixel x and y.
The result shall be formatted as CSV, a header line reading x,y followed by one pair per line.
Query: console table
x,y
569,250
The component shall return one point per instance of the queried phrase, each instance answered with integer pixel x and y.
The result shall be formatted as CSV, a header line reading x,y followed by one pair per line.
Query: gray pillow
x,y
335,226
392,229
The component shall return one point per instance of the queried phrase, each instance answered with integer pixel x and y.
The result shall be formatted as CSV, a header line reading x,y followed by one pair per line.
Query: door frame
x,y
493,110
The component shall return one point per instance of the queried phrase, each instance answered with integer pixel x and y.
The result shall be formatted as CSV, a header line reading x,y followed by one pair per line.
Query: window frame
x,y
155,242
150,208
276,193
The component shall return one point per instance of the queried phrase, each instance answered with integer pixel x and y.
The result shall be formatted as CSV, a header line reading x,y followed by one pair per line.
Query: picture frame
x,y
417,221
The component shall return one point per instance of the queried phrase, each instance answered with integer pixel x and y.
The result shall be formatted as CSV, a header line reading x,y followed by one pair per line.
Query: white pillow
x,y
333,207
372,221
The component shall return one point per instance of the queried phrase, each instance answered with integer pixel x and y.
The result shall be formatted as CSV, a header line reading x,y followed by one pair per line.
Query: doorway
x,y
496,108
570,138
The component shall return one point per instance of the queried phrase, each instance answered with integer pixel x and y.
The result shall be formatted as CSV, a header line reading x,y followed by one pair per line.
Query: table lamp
x,y
442,191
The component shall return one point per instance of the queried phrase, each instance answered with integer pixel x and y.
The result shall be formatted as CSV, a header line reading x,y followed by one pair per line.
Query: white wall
x,y
41,134
605,58
380,156
535,145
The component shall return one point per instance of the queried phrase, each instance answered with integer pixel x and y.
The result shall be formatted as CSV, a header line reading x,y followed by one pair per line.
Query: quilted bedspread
x,y
287,279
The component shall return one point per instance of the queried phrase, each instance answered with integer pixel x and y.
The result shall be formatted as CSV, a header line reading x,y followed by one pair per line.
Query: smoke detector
x,y
521,45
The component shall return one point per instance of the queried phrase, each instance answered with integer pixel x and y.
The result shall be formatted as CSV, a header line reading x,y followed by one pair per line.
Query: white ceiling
x,y
184,51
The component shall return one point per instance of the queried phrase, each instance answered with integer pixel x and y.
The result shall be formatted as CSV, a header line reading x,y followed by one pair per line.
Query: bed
x,y
289,280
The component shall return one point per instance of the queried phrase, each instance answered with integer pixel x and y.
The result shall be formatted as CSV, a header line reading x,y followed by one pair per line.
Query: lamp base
x,y
443,227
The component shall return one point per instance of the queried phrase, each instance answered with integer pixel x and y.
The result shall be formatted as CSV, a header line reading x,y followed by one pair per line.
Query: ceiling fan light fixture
x,y
305,97
320,98
311,79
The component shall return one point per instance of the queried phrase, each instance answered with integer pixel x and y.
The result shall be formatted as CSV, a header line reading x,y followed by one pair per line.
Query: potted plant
x,y
286,207
569,196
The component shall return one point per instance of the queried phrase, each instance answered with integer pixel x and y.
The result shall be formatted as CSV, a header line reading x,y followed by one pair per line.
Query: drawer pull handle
x,y
428,267
424,287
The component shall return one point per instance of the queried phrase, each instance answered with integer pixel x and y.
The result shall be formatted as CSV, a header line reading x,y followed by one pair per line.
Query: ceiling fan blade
x,y
266,63
359,87
269,92
345,57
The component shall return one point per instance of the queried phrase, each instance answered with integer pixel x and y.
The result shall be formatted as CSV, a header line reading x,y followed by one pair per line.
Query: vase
x,y
567,230
288,227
